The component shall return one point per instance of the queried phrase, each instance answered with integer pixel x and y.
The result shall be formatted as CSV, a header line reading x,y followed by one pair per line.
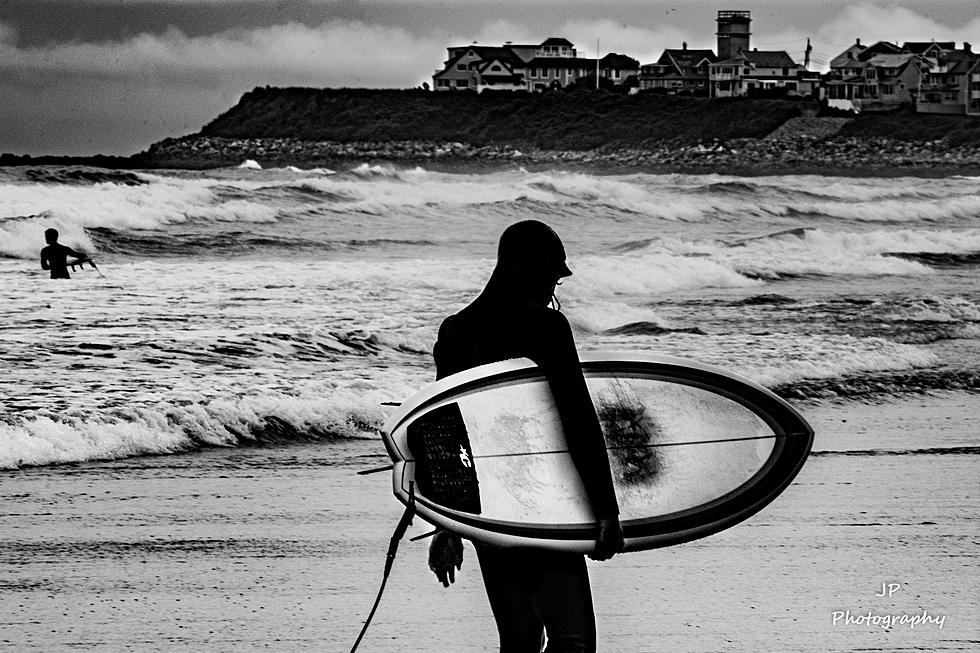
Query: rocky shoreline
x,y
797,152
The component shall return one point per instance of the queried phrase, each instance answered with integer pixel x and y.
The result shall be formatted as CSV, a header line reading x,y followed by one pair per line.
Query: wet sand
x,y
282,549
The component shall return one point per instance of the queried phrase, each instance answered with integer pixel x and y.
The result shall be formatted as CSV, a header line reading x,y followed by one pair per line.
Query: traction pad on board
x,y
444,467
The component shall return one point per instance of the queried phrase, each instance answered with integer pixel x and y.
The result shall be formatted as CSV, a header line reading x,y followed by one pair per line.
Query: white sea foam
x,y
349,410
779,359
938,309
653,274
838,253
250,164
827,358
71,209
383,191
598,316
201,349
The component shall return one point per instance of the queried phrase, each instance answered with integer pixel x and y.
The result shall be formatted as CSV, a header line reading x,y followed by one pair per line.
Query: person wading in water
x,y
54,257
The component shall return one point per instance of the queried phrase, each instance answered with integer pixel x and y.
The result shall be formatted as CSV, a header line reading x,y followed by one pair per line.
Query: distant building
x,y
619,68
741,72
681,71
952,83
973,94
930,49
475,67
552,64
932,76
755,73
733,33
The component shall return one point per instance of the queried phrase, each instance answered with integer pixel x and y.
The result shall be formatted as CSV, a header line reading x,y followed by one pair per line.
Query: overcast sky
x,y
113,76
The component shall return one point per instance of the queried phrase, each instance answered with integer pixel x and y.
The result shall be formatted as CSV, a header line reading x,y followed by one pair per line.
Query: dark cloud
x,y
43,22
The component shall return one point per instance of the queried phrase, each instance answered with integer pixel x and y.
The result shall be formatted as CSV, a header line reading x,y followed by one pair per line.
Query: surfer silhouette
x,y
533,591
54,257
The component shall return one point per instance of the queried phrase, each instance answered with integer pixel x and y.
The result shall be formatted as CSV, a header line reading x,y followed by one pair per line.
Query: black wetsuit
x,y
531,590
55,258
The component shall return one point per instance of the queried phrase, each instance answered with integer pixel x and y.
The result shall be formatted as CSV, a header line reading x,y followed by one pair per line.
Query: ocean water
x,y
245,306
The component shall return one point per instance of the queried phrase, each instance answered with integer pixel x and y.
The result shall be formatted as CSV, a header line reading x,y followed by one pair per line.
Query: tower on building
x,y
733,33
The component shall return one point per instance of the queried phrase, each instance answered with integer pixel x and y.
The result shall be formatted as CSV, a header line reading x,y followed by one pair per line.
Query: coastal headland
x,y
309,127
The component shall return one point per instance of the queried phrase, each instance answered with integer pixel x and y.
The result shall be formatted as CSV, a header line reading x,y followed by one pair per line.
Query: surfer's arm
x,y
81,256
45,263
586,444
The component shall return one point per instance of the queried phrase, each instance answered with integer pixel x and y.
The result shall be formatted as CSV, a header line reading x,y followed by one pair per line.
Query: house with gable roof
x,y
929,49
748,73
973,90
618,68
933,76
475,67
556,64
739,72
878,77
680,71
846,73
552,64
951,85
502,70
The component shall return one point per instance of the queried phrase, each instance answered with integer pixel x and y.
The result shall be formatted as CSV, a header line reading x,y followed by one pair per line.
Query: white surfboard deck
x,y
693,450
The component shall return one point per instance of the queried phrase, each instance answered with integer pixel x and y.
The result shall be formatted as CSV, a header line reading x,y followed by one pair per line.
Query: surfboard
x,y
693,450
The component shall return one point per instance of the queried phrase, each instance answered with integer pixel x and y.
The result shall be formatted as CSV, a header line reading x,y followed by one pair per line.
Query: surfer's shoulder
x,y
448,326
554,321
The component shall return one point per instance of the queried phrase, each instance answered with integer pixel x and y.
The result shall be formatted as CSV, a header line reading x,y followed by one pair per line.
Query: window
x,y
871,73
887,89
461,66
442,83
495,68
747,71
462,83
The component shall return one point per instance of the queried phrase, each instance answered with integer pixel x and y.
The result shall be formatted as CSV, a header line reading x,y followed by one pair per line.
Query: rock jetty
x,y
796,149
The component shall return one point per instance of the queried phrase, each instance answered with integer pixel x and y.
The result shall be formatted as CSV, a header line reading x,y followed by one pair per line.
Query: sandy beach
x,y
282,549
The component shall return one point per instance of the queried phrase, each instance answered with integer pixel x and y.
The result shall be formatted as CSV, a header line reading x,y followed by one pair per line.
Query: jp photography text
x,y
887,620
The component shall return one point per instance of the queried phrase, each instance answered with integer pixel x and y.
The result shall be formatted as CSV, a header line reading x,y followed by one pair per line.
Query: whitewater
x,y
246,306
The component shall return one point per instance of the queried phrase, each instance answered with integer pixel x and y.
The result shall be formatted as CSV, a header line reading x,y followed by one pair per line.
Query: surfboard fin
x,y
423,535
375,470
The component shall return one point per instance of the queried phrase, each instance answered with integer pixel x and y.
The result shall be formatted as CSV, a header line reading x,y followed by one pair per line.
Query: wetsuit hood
x,y
534,247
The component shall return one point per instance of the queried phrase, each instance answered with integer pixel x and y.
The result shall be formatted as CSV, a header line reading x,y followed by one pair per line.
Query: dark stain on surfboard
x,y
629,432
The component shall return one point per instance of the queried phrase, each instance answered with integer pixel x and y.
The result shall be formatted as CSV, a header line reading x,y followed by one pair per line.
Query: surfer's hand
x,y
446,556
610,540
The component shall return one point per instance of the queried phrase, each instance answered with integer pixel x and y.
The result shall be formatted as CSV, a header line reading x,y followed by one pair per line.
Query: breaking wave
x,y
311,413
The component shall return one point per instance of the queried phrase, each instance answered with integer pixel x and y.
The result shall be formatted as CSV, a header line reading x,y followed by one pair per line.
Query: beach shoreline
x,y
282,548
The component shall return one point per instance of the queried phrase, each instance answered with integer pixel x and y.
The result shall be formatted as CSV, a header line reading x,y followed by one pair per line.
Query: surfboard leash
x,y
396,537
